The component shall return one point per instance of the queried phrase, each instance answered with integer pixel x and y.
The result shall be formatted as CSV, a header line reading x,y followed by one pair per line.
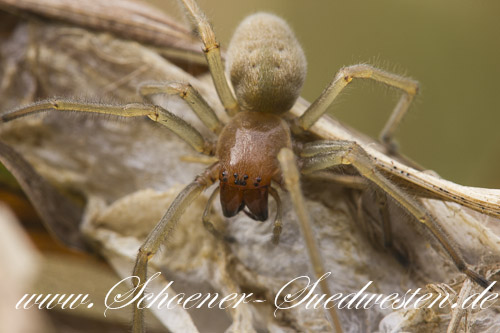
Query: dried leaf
x,y
18,271
61,216
128,19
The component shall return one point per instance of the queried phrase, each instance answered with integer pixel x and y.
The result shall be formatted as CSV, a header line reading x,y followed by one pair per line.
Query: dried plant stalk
x,y
125,18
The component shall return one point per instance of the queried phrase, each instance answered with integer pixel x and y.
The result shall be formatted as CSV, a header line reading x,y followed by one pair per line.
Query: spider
x,y
255,149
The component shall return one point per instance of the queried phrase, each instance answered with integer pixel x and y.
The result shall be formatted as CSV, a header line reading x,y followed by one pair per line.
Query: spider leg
x,y
324,154
291,177
278,220
212,54
156,113
162,231
348,181
189,94
205,219
386,219
343,77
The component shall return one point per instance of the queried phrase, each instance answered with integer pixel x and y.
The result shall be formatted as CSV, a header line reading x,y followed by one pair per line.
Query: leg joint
x,y
415,88
144,254
211,47
55,103
356,71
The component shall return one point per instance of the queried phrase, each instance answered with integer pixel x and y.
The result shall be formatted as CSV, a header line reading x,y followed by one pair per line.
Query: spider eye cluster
x,y
241,180
266,64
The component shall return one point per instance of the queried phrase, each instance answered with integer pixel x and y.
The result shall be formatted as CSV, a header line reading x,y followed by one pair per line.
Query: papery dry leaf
x,y
61,216
19,264
130,19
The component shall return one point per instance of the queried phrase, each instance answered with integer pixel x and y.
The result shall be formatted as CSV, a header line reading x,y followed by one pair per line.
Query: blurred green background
x,y
451,47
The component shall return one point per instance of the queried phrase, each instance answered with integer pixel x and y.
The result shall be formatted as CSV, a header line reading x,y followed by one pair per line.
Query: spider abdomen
x,y
266,64
247,150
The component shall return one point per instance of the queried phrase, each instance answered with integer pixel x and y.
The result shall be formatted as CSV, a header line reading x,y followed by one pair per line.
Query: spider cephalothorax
x,y
247,150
